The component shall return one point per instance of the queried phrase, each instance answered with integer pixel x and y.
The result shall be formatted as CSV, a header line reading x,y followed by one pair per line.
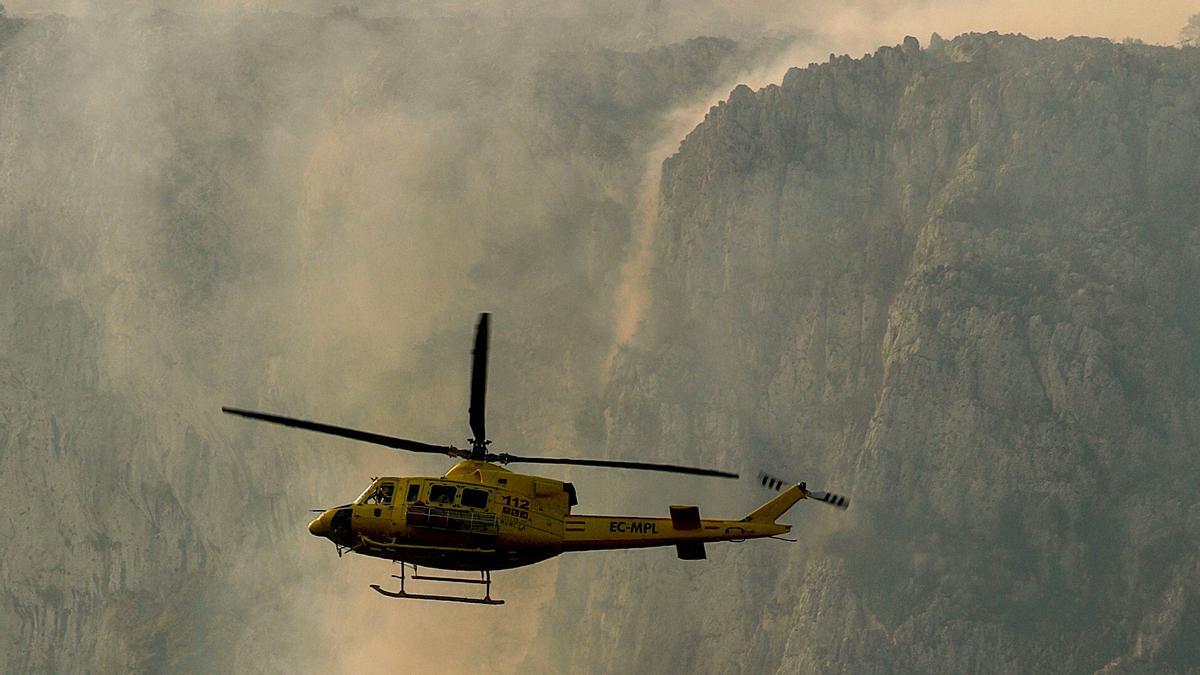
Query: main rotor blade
x,y
344,432
643,466
479,378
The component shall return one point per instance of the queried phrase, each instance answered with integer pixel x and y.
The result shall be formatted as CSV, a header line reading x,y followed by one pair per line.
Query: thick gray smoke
x,y
298,213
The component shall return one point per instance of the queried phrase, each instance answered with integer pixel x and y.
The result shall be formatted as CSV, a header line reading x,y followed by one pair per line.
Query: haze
x,y
231,204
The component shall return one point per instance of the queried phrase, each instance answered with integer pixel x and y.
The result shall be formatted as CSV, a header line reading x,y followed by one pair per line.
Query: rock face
x,y
959,284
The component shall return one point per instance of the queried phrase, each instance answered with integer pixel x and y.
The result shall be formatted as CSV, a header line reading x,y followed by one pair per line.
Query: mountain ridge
x,y
956,283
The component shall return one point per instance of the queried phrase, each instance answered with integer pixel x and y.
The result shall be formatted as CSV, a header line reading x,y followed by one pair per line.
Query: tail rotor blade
x,y
771,482
829,498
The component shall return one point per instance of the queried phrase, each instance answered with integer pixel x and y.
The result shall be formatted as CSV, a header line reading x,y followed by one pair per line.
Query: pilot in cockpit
x,y
382,495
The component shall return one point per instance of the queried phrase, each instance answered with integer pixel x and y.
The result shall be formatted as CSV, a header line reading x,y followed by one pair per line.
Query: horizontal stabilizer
x,y
692,550
685,517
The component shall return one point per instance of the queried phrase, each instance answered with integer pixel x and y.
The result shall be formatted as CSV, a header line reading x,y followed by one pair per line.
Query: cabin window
x,y
442,494
475,499
382,495
414,491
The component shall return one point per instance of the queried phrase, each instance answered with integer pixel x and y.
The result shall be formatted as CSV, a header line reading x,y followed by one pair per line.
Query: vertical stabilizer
x,y
767,513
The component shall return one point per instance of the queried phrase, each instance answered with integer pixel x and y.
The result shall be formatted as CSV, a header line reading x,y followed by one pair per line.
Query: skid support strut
x,y
485,579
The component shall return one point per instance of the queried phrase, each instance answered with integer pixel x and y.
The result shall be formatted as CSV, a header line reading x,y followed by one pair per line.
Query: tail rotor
x,y
777,484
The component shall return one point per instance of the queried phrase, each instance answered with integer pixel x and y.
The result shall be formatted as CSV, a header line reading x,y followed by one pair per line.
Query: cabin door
x,y
378,514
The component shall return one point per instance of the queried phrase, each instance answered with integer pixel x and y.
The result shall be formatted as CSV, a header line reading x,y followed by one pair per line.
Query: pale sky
x,y
1155,21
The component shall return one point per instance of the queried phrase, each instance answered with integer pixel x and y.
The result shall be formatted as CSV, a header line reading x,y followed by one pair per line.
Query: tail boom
x,y
597,533
684,528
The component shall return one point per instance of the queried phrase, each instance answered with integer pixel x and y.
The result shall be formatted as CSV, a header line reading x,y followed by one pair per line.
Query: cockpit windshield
x,y
365,493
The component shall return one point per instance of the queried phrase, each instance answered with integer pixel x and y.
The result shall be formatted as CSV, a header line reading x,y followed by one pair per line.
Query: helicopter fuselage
x,y
481,516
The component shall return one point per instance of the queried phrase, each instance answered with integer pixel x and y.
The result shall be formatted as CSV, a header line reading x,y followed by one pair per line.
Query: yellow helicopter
x,y
482,517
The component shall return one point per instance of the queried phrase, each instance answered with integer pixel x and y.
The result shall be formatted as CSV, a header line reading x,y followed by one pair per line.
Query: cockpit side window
x,y
442,494
414,491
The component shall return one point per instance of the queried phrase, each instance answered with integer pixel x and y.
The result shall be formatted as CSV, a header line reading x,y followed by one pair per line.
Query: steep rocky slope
x,y
960,284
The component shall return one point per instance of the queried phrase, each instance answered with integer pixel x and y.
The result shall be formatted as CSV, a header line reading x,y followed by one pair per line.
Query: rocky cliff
x,y
959,284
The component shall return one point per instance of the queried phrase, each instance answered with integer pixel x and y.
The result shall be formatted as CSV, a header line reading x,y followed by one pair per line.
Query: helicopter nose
x,y
320,526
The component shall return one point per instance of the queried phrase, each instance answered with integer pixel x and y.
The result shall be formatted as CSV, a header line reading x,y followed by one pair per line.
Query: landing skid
x,y
485,579
445,598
